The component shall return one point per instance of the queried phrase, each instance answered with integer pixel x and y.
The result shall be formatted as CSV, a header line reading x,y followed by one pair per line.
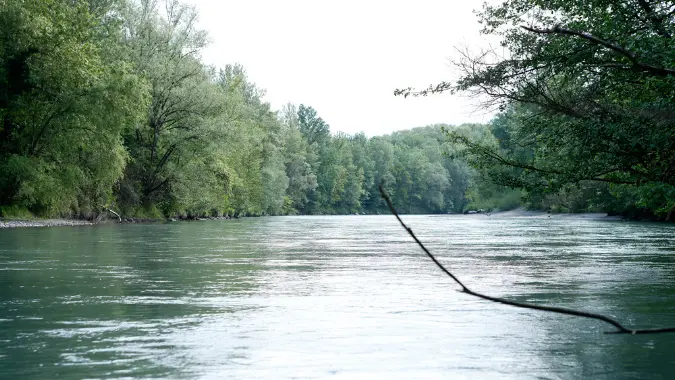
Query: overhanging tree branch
x,y
620,329
496,157
654,70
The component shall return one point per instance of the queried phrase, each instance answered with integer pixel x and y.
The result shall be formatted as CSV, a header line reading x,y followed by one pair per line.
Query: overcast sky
x,y
345,58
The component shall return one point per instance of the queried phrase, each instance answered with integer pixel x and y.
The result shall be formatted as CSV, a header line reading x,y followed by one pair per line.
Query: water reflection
x,y
293,297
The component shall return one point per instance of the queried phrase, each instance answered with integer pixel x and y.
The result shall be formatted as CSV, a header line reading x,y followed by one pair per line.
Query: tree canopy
x,y
107,104
585,91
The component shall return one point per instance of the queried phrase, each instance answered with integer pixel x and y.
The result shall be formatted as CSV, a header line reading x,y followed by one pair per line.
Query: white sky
x,y
345,58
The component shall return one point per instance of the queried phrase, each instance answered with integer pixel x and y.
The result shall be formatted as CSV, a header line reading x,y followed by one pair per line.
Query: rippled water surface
x,y
335,297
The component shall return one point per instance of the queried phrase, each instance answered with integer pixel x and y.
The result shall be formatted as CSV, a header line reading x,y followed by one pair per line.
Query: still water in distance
x,y
337,297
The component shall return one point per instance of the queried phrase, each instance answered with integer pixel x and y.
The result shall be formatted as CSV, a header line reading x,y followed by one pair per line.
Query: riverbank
x,y
523,213
517,213
4,223
20,223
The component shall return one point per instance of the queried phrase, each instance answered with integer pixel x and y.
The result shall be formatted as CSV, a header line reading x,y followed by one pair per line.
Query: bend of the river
x,y
335,297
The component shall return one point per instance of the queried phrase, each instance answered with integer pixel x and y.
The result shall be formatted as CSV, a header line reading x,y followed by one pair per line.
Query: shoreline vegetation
x,y
108,105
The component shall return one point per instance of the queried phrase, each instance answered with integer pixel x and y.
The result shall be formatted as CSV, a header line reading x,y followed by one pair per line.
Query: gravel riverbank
x,y
43,223
518,213
16,223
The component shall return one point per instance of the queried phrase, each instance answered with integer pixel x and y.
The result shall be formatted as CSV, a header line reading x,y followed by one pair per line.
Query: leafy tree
x,y
312,126
588,89
297,160
381,153
250,135
64,100
165,51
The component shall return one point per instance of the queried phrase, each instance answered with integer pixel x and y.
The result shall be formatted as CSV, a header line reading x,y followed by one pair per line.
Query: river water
x,y
335,297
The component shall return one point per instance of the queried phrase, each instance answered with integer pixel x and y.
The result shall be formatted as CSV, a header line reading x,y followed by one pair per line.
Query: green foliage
x,y
164,50
64,101
586,94
484,194
312,127
15,212
108,105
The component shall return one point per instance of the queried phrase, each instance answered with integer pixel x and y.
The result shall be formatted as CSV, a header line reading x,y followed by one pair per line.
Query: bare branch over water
x,y
620,329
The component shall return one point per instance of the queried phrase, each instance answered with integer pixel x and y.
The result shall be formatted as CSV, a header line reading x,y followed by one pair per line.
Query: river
x,y
335,297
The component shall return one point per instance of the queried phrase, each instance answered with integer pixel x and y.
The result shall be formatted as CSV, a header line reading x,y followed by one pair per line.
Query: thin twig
x,y
553,309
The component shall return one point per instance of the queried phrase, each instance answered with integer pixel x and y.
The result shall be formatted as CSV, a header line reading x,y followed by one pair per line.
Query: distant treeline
x,y
106,104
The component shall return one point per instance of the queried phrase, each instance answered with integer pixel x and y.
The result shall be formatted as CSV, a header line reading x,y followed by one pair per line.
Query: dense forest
x,y
107,105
